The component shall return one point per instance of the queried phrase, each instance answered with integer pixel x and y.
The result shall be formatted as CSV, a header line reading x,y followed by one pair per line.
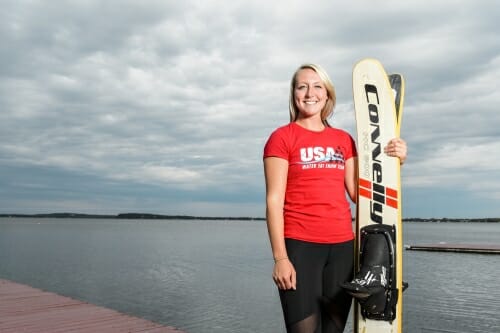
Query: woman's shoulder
x,y
286,127
282,130
340,132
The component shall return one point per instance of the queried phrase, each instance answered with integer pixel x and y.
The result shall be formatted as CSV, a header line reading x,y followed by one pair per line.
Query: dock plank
x,y
460,248
24,309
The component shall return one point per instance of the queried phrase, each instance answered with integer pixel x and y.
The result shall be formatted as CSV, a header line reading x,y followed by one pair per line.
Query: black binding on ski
x,y
374,285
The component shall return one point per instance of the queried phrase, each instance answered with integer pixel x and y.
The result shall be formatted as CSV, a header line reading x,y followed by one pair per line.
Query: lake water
x,y
215,276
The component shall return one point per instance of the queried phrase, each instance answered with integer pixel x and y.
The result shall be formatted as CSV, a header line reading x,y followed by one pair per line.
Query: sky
x,y
164,106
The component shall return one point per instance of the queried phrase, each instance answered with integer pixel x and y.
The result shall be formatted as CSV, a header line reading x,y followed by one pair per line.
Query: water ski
x,y
378,285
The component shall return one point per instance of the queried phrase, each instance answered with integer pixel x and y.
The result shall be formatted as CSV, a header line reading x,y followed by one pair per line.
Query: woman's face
x,y
310,94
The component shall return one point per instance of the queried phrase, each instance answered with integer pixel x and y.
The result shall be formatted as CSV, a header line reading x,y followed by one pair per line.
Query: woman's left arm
x,y
395,148
350,177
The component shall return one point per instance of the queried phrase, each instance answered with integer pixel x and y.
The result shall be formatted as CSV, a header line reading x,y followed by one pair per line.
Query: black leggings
x,y
319,304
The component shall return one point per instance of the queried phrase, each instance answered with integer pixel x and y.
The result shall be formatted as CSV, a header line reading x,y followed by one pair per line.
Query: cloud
x,y
173,101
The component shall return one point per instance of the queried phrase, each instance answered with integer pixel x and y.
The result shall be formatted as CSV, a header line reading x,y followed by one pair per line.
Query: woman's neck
x,y
312,124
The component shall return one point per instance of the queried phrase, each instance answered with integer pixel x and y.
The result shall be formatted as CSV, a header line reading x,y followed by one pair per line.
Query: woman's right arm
x,y
276,172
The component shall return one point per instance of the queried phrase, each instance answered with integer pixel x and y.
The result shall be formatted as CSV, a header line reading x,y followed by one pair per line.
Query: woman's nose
x,y
308,91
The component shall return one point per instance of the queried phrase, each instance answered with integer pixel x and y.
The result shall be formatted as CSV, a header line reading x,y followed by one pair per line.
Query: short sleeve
x,y
352,152
276,145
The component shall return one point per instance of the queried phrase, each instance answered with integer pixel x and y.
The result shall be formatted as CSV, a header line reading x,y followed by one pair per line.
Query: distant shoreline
x,y
144,216
147,216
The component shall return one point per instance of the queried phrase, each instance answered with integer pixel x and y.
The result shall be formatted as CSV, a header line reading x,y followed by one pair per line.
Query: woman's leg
x,y
301,307
336,302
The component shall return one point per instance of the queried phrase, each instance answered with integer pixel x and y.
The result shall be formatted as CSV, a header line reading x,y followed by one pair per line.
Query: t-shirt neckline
x,y
309,130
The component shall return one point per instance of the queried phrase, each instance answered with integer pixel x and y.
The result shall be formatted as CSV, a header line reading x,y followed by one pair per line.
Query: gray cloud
x,y
165,106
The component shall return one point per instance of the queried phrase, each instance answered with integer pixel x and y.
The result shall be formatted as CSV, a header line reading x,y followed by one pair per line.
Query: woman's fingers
x,y
284,275
396,148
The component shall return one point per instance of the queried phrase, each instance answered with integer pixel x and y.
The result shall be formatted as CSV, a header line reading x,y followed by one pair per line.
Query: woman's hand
x,y
284,275
397,148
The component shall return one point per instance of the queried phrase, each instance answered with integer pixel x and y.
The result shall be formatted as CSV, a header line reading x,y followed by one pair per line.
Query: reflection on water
x,y
215,276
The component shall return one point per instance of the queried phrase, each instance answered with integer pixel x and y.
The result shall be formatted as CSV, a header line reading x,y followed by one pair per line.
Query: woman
x,y
309,166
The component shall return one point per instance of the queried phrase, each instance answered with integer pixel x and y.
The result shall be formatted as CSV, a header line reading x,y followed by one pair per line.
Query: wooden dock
x,y
24,309
460,248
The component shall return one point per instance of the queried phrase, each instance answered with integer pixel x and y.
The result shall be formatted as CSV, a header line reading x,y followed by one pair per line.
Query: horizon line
x,y
181,216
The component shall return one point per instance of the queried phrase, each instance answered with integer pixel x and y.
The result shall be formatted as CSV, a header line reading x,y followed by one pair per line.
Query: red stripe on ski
x,y
391,203
391,192
365,183
365,193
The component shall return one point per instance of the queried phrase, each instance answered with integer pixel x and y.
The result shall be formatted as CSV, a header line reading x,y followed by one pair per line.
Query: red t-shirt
x,y
316,207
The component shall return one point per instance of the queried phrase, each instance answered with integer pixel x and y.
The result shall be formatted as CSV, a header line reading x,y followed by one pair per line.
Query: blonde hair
x,y
330,103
